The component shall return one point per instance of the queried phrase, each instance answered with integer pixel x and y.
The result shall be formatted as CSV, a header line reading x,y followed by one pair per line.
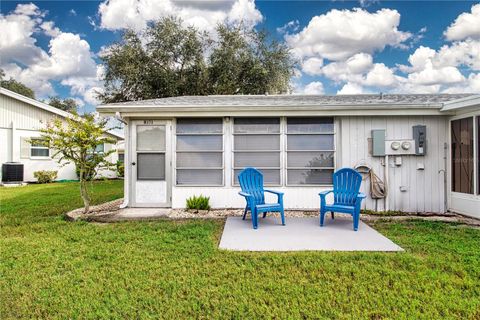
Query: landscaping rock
x,y
111,212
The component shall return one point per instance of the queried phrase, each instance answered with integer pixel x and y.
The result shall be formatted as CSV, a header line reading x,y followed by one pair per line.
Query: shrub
x,y
198,203
120,169
45,176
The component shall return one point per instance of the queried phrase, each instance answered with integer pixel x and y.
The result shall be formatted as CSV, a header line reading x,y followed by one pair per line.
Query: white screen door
x,y
151,164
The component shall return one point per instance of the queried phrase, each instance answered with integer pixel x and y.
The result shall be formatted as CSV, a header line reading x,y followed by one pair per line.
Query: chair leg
x,y
254,218
356,218
322,217
245,213
333,216
282,215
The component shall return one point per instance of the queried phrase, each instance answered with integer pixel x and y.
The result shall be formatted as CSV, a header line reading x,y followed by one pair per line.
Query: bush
x,y
45,176
120,169
198,203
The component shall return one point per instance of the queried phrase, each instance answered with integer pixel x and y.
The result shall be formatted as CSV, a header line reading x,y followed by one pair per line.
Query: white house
x,y
21,118
424,147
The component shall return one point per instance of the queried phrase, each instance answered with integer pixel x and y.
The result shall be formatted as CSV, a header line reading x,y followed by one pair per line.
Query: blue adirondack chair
x,y
346,194
251,182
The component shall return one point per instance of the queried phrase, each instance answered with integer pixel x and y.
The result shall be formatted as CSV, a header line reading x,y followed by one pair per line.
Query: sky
x,y
343,47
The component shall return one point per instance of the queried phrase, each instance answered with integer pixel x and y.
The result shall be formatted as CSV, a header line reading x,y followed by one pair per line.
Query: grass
x,y
50,268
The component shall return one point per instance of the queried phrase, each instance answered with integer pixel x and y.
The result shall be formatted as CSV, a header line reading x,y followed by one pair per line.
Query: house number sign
x,y
147,121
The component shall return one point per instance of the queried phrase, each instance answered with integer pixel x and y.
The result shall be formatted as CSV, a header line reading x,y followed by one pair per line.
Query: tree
x,y
75,142
67,104
246,62
15,86
170,63
168,59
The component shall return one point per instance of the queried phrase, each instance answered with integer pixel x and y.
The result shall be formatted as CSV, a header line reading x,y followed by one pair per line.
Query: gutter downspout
x,y
126,179
386,204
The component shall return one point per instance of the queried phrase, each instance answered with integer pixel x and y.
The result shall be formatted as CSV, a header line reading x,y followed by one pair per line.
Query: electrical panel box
x,y
420,137
378,143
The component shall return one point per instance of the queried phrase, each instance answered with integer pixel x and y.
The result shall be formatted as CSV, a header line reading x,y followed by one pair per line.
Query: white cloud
x,y
313,88
290,26
432,76
312,66
467,25
49,29
340,34
69,59
16,38
349,70
380,76
204,15
351,88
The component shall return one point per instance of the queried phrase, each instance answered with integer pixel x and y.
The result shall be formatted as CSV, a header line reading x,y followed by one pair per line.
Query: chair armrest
x,y
278,193
273,191
244,194
324,193
361,195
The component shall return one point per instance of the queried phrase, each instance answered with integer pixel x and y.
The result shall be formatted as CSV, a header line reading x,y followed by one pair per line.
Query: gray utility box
x,y
378,143
420,137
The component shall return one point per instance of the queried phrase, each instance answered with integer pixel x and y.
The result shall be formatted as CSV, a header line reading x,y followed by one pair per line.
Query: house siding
x,y
20,120
425,189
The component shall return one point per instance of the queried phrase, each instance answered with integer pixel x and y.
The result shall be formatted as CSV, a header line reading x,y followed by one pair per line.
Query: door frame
x,y
168,162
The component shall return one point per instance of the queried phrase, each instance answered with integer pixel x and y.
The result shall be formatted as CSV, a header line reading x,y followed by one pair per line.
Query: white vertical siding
x,y
24,115
425,188
28,120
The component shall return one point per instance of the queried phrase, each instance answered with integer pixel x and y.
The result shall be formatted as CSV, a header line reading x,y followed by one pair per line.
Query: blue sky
x,y
343,47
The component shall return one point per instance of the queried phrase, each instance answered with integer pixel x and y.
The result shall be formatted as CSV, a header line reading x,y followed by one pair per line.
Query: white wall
x,y
425,188
21,120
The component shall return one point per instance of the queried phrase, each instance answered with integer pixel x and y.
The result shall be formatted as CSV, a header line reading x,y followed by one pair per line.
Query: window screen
x,y
150,149
310,151
257,144
462,155
39,148
199,151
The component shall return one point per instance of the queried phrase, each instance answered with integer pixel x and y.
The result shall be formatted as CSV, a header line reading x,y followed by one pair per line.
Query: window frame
x,y
279,151
176,151
451,156
38,148
286,167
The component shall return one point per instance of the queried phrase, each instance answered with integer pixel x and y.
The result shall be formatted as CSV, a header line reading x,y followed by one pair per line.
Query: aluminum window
x,y
199,151
256,143
310,151
39,148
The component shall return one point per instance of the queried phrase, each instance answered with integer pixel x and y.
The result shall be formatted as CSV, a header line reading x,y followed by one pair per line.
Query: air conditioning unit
x,y
12,172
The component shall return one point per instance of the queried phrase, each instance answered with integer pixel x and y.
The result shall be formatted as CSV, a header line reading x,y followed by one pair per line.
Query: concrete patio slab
x,y
302,234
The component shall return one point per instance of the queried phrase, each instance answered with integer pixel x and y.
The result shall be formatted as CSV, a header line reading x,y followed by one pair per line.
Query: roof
x,y
286,105
44,106
299,100
36,103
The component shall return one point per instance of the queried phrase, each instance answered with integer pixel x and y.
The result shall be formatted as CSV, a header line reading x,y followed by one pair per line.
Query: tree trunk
x,y
84,192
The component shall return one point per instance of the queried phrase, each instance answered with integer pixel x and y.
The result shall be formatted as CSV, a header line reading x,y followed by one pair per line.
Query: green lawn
x,y
50,268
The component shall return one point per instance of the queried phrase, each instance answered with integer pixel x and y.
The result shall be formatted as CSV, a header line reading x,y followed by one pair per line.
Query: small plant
x,y
198,203
45,176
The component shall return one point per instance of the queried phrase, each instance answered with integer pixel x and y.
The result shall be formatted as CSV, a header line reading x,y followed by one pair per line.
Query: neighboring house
x,y
424,147
21,118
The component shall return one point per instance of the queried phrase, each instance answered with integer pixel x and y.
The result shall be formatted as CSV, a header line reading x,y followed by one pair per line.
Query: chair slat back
x,y
251,181
346,186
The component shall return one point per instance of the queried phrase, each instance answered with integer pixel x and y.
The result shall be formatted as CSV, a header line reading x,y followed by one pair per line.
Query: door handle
x,y
133,163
